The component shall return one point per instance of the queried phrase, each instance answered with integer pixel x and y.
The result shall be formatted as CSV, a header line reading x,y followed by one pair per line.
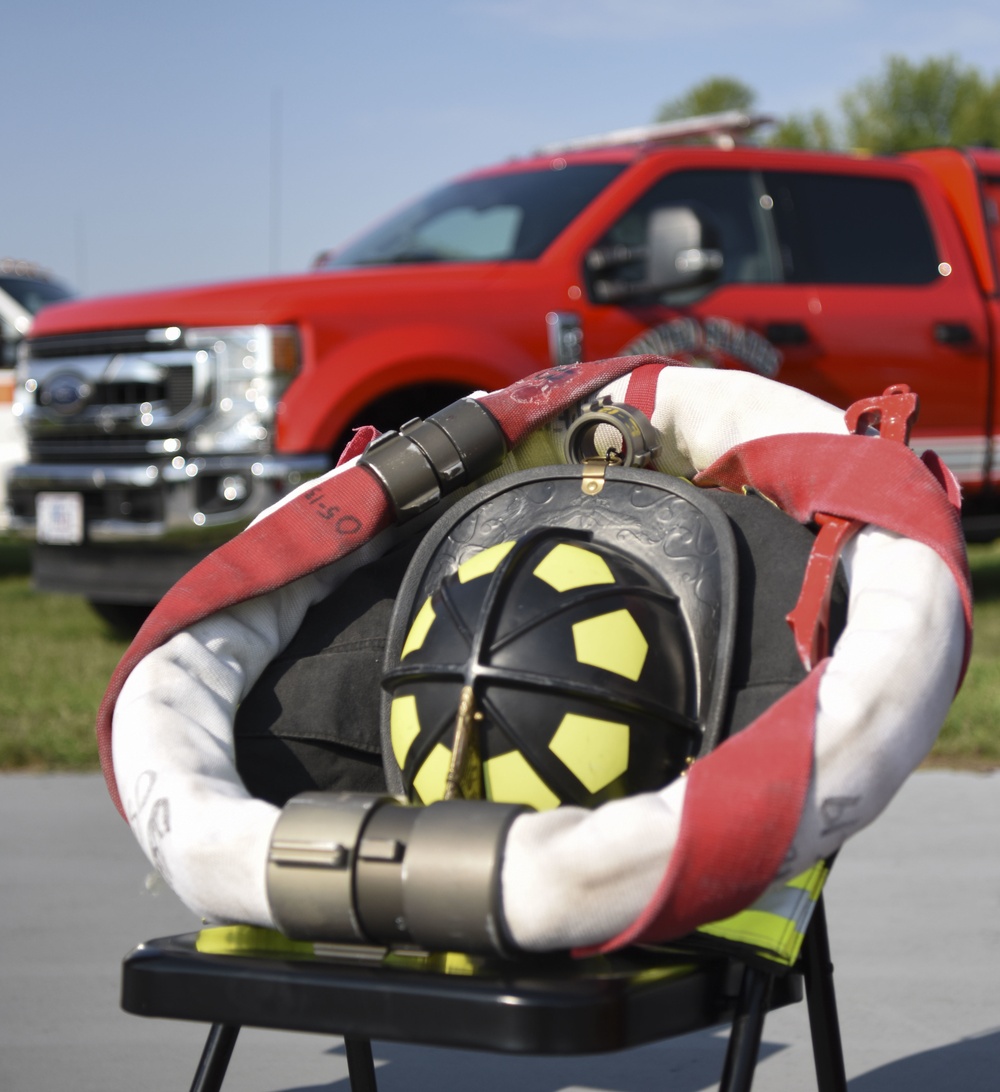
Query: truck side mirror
x,y
679,253
682,253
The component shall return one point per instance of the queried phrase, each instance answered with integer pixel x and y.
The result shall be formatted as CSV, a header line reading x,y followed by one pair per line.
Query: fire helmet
x,y
552,644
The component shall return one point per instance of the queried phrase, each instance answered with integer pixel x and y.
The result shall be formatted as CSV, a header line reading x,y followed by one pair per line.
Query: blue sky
x,y
138,138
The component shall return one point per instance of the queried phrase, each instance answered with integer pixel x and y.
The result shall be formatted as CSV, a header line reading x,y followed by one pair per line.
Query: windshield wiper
x,y
404,257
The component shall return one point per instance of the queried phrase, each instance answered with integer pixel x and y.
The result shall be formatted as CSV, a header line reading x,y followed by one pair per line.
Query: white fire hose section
x,y
570,877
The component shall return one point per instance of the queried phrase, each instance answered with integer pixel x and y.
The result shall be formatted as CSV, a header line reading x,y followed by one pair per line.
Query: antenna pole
x,y
275,176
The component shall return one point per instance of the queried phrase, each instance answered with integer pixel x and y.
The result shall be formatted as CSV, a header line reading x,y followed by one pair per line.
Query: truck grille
x,y
108,394
176,391
97,343
83,448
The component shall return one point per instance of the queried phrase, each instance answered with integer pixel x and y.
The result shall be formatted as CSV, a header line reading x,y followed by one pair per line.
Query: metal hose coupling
x,y
428,458
614,429
369,869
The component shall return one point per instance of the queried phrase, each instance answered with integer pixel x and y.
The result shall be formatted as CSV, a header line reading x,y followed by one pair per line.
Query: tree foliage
x,y
911,105
711,96
908,105
815,131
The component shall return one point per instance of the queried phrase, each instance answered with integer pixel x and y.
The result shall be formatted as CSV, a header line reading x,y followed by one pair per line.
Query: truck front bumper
x,y
138,529
184,501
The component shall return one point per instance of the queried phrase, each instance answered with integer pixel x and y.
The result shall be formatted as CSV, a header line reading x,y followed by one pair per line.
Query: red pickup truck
x,y
158,423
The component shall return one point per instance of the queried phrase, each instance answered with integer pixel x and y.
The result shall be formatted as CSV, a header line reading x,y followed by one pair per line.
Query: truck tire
x,y
124,618
399,406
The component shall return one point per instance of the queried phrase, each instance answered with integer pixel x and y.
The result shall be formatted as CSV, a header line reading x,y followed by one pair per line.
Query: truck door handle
x,y
952,333
786,333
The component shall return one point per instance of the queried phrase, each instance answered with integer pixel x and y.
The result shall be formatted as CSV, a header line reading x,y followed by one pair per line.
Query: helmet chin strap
x,y
465,771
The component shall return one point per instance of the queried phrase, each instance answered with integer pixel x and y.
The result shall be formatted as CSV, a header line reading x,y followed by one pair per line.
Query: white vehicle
x,y
25,289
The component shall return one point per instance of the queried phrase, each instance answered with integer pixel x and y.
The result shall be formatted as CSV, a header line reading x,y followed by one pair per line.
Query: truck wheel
x,y
124,618
396,408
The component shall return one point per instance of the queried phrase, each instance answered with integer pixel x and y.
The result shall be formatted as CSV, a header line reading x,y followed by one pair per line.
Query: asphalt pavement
x,y
913,908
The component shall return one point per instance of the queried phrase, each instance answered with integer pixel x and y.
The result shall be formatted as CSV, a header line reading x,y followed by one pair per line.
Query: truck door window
x,y
509,216
846,229
729,202
991,208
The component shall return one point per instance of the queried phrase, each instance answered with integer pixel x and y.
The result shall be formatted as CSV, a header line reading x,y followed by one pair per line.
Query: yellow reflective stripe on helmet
x,y
775,925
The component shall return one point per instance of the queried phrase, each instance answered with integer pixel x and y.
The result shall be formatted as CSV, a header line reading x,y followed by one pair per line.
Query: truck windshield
x,y
33,294
503,217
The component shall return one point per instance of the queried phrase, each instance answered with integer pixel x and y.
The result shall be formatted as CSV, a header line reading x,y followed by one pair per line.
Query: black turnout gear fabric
x,y
311,721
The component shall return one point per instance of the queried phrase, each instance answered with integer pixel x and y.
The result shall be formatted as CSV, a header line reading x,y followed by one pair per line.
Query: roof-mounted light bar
x,y
723,130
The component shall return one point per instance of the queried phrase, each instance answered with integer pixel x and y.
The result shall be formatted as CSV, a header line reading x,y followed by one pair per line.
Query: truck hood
x,y
272,300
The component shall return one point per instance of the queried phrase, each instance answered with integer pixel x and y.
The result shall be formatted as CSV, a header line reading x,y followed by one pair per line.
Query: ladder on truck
x,y
723,129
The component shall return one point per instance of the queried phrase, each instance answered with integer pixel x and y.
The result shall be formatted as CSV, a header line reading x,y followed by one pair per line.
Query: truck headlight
x,y
249,368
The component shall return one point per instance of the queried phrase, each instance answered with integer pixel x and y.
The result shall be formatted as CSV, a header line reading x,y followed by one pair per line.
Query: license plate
x,y
59,518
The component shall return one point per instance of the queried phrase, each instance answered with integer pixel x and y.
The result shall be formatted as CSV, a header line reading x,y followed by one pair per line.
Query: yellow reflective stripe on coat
x,y
775,925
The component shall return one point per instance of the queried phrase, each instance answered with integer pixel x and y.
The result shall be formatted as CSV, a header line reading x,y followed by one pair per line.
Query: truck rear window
x,y
512,216
845,229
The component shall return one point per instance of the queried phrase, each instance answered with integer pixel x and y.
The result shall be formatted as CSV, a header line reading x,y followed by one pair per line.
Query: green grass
x,y
971,734
56,657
